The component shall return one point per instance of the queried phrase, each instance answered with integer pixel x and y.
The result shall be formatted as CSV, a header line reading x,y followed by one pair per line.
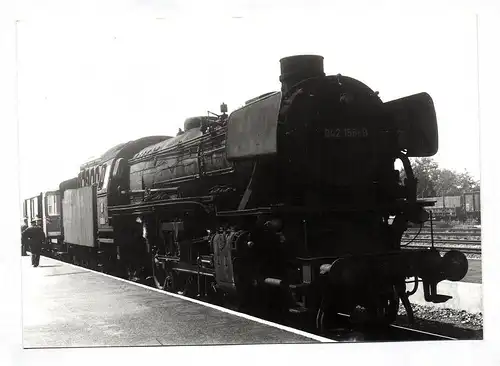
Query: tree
x,y
427,172
434,181
447,183
466,183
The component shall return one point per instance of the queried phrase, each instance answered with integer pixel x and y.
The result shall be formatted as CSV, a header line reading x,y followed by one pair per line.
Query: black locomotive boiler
x,y
290,204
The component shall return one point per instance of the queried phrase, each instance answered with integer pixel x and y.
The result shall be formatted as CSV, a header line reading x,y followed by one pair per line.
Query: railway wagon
x,y
44,208
460,207
446,201
33,209
471,205
445,207
52,225
444,213
58,248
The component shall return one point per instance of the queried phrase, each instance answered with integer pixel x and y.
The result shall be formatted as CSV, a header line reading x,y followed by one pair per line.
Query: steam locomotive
x,y
291,204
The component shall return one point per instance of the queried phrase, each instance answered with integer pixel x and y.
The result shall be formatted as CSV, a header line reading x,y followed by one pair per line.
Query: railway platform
x,y
474,274
69,306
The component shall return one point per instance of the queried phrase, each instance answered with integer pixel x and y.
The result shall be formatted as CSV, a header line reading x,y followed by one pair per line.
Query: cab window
x,y
52,207
104,177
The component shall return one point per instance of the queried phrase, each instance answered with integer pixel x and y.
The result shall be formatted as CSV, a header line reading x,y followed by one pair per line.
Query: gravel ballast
x,y
453,323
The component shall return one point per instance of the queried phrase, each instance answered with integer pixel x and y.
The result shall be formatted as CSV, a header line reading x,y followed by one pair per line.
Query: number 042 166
x,y
341,133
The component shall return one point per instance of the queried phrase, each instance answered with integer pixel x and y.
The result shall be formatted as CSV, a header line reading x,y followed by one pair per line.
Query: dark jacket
x,y
23,227
34,237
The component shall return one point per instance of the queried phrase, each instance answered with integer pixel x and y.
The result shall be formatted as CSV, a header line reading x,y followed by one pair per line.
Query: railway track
x,y
473,249
471,244
392,333
444,233
445,230
447,241
408,334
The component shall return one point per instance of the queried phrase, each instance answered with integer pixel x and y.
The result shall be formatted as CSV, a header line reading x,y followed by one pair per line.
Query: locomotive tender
x,y
289,204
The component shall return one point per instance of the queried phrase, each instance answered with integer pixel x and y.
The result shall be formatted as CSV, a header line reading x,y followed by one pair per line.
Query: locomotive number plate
x,y
343,133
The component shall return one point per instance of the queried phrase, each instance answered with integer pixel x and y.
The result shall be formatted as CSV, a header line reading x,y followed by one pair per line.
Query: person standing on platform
x,y
23,242
35,237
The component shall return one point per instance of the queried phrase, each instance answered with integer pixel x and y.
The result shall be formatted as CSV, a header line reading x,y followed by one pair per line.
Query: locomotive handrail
x,y
305,210
135,191
220,171
359,256
251,211
180,200
140,207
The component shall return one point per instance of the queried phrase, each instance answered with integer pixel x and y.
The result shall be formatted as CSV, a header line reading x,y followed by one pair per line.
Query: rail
x,y
409,334
392,333
471,250
457,234
444,239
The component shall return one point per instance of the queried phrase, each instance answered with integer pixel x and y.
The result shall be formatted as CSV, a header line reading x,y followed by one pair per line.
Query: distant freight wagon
x,y
464,207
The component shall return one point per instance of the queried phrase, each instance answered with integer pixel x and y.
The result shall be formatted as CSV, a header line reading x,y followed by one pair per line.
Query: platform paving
x,y
474,274
67,306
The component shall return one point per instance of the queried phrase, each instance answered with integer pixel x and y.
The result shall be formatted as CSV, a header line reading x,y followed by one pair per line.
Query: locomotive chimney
x,y
295,69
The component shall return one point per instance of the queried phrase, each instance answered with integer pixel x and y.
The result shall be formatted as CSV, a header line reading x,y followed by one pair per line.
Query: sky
x,y
84,86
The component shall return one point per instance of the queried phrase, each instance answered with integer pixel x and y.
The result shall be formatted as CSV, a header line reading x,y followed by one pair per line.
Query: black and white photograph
x,y
249,175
